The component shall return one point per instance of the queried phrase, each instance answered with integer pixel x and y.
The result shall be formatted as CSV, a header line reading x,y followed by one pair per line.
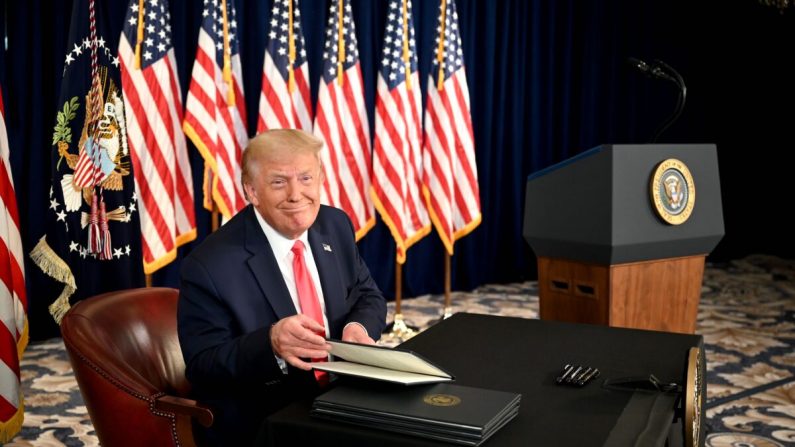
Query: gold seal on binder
x,y
693,398
673,191
442,400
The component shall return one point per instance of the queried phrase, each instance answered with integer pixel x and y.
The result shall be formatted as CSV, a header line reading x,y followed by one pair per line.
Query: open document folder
x,y
382,363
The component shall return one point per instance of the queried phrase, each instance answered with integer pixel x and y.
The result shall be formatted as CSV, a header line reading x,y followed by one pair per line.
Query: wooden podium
x,y
605,254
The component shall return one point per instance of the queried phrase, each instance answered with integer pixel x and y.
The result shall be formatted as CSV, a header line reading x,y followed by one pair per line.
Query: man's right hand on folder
x,y
296,337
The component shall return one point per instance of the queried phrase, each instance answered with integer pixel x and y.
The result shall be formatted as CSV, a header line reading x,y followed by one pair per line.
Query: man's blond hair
x,y
276,142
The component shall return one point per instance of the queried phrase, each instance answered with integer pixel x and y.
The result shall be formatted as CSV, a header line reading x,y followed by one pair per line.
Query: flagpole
x,y
148,278
227,68
448,309
340,43
201,120
403,212
399,331
290,48
215,218
440,86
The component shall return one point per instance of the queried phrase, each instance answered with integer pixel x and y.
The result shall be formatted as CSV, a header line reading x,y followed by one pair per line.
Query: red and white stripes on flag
x,y
397,162
450,176
13,302
284,102
341,122
215,111
153,108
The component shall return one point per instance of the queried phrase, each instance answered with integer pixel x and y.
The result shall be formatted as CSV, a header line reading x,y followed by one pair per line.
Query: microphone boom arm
x,y
664,71
660,70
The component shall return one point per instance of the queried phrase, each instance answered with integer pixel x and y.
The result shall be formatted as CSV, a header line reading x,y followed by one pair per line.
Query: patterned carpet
x,y
747,318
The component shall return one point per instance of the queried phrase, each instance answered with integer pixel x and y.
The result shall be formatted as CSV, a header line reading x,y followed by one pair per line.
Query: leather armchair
x,y
128,364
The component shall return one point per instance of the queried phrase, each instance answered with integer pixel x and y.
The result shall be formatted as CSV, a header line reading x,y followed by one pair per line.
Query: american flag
x,y
450,178
13,303
341,122
284,102
215,111
397,163
153,107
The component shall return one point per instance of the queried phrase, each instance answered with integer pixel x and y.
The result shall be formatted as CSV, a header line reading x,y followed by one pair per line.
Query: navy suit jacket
x,y
232,291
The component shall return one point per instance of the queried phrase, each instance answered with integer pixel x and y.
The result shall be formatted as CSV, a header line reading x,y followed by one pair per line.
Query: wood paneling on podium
x,y
657,295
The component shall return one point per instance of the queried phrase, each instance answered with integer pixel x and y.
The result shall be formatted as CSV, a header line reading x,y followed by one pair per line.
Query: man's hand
x,y
296,337
355,333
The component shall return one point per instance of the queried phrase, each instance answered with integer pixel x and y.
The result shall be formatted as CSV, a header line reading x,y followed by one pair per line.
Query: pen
x,y
580,377
567,369
576,371
592,375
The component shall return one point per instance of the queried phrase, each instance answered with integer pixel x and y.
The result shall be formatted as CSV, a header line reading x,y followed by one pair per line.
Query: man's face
x,y
285,189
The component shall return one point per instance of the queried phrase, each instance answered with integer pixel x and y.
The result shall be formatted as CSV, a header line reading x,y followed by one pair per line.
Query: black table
x,y
525,356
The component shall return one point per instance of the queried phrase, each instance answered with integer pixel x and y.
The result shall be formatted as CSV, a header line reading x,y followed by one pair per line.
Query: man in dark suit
x,y
246,340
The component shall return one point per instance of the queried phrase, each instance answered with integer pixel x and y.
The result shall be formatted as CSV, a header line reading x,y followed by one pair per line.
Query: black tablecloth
x,y
525,356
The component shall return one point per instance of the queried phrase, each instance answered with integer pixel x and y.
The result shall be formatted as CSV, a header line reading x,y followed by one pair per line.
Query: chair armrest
x,y
188,407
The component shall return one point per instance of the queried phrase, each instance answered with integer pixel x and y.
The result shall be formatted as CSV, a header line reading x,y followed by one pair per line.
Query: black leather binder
x,y
447,412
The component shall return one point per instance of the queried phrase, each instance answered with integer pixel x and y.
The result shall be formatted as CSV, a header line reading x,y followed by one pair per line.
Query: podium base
x,y
660,295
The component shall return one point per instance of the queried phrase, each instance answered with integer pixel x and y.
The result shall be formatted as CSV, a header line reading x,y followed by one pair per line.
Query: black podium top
x,y
524,356
596,207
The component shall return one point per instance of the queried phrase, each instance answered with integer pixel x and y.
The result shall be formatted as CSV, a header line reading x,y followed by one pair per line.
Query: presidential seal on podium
x,y
673,191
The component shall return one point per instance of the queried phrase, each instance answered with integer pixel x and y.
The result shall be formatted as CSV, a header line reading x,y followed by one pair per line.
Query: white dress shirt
x,y
282,250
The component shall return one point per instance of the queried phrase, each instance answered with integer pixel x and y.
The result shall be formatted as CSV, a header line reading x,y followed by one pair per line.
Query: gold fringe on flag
x,y
55,267
11,427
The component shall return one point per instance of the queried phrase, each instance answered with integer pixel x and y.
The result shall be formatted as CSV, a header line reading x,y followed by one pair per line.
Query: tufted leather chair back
x,y
128,364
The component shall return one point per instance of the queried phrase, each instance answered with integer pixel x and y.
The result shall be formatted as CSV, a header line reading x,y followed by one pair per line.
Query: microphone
x,y
660,70
657,69
638,64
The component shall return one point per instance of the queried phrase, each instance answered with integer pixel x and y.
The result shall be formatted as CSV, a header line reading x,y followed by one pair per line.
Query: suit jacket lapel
x,y
265,269
326,261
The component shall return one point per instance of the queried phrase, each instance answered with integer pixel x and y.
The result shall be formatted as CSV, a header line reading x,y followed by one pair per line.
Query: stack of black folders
x,y
430,407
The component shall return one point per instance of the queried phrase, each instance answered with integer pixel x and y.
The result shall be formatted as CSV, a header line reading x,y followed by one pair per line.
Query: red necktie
x,y
307,297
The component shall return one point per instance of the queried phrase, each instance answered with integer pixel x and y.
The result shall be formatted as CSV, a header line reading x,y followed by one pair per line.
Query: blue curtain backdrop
x,y
548,79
